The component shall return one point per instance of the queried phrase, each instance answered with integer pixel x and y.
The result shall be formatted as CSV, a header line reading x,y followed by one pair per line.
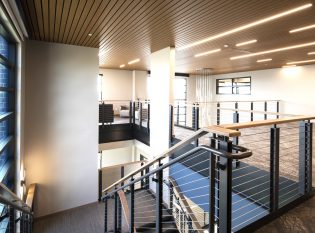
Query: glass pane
x,y
4,76
3,102
4,47
244,90
224,82
224,90
180,88
4,129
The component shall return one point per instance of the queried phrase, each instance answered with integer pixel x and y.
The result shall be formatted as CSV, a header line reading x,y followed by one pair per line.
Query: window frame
x,y
233,85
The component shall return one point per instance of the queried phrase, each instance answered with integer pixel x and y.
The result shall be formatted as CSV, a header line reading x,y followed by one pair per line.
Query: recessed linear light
x,y
311,53
134,61
302,28
300,62
264,60
288,66
274,50
122,66
246,43
246,26
207,53
90,34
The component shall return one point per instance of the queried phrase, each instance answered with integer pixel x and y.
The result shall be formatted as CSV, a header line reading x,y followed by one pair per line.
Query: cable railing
x,y
16,215
217,185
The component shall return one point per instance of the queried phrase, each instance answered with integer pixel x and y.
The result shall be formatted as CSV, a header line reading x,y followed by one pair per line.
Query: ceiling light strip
x,y
246,43
302,28
300,62
311,53
264,60
134,61
250,25
288,66
274,50
207,53
122,66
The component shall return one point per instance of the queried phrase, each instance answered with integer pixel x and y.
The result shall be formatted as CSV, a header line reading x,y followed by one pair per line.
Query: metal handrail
x,y
9,198
244,153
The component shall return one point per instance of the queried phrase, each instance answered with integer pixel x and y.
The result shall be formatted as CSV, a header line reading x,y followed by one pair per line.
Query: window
x,y
180,99
234,86
7,107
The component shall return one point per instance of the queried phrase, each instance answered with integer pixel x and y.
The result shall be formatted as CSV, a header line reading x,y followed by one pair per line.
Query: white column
x,y
162,76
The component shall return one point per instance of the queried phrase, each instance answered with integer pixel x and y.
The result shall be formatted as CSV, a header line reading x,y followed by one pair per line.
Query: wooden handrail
x,y
199,133
255,111
125,207
194,220
252,124
30,195
123,164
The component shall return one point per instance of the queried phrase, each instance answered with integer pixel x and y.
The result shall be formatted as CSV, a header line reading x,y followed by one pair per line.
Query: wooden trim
x,y
122,165
266,122
194,220
222,131
30,195
125,207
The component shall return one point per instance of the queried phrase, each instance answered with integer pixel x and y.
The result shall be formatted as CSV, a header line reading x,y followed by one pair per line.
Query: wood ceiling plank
x,y
52,17
39,16
64,18
32,13
46,18
69,22
58,18
29,22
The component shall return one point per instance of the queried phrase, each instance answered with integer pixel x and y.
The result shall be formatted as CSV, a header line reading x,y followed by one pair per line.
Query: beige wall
x,y
141,79
61,118
294,86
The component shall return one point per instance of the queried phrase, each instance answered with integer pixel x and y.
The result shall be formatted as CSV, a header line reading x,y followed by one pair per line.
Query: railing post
x,y
22,223
148,120
106,214
130,112
177,113
132,207
278,109
122,174
171,124
218,113
251,113
274,168
236,119
100,184
159,200
134,112
115,211
305,157
11,212
212,175
140,115
265,109
225,188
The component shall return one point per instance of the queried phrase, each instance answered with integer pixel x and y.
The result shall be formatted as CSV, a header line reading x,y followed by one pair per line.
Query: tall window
x,y
180,99
7,108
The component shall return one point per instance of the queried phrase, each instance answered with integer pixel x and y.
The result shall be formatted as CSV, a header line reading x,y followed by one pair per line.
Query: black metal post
x,y
177,114
251,113
115,211
193,117
148,121
140,115
134,112
11,212
159,200
100,184
218,113
106,214
212,166
122,174
278,109
130,112
132,207
171,124
236,119
305,157
225,189
274,168
22,223
265,109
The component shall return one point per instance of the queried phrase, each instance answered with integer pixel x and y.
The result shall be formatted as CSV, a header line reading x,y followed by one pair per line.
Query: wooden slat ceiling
x,y
130,29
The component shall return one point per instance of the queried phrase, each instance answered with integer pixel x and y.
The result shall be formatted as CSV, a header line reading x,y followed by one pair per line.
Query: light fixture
x,y
207,53
134,61
288,66
90,34
274,50
264,60
246,43
311,53
302,28
122,66
300,62
226,46
246,26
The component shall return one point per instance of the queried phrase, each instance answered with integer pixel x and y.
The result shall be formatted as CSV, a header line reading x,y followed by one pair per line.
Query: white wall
x,y
61,118
294,86
141,84
117,156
